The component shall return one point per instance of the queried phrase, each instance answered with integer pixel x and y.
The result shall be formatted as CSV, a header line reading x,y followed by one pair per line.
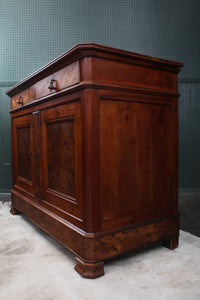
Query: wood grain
x,y
95,160
65,77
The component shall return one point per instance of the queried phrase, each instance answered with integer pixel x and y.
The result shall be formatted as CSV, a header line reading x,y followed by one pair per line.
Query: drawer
x,y
23,98
63,78
53,83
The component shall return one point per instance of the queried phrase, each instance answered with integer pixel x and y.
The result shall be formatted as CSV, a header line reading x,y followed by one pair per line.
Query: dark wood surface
x,y
63,78
95,161
189,210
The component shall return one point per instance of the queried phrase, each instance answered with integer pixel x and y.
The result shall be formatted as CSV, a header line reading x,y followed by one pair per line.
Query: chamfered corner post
x,y
90,270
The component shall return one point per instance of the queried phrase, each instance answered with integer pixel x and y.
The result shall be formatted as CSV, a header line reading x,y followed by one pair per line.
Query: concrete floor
x,y
189,209
34,266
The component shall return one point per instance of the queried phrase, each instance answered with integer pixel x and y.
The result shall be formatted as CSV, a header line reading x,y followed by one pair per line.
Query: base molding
x,y
91,250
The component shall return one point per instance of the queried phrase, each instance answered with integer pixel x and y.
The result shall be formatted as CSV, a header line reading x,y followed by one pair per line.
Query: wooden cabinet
x,y
95,152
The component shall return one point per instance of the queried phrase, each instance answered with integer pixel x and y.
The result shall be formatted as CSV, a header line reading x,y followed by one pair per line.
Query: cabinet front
x,y
61,158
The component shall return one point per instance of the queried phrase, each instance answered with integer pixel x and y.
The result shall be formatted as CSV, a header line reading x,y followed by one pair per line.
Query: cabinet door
x,y
61,157
25,149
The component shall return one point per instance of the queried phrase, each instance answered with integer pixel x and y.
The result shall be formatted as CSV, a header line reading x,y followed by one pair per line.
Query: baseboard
x,y
191,191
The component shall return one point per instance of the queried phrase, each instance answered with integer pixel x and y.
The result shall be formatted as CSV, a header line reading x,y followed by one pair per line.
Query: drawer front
x,y
23,98
53,83
63,78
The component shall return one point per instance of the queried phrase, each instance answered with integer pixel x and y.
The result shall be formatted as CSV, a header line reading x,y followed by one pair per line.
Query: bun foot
x,y
171,244
14,211
88,269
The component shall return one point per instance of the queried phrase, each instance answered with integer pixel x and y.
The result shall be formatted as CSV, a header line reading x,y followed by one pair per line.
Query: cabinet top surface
x,y
93,50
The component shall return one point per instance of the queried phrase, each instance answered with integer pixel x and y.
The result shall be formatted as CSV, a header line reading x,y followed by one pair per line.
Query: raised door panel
x,y
61,151
136,160
26,161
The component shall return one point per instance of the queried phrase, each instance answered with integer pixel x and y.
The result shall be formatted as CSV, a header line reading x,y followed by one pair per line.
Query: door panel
x,y
61,156
24,150
26,161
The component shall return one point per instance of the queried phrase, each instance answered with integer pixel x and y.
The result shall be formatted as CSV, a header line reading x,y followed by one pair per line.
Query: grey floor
x,y
5,197
34,266
189,209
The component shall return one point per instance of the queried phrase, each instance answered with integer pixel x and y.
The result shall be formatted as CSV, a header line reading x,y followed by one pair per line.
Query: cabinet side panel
x,y
162,156
109,159
136,160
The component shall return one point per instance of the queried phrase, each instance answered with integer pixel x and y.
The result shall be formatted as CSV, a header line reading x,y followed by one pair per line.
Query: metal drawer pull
x,y
20,100
52,85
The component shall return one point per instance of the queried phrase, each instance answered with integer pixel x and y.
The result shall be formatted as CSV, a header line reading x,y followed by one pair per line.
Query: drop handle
x,y
20,100
52,85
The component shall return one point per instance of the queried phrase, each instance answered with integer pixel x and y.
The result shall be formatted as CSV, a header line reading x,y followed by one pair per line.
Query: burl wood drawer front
x,y
53,83
63,78
23,98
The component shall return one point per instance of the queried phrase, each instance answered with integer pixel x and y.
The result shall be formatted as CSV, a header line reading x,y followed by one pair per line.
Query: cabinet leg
x,y
89,270
171,244
14,211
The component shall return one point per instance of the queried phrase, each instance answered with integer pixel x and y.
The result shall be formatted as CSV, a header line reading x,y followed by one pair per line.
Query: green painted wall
x,y
33,32
189,136
5,147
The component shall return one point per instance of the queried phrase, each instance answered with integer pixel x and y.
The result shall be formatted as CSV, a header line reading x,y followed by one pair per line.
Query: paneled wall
x,y
5,145
189,136
33,32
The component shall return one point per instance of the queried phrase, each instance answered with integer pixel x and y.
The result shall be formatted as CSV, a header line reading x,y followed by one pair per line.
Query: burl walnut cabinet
x,y
95,152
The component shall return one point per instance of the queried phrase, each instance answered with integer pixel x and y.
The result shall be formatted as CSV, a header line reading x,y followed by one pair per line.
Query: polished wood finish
x,y
14,211
95,152
67,76
171,244
89,270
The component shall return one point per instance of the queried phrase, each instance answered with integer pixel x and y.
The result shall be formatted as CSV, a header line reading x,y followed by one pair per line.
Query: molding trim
x,y
189,80
189,190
